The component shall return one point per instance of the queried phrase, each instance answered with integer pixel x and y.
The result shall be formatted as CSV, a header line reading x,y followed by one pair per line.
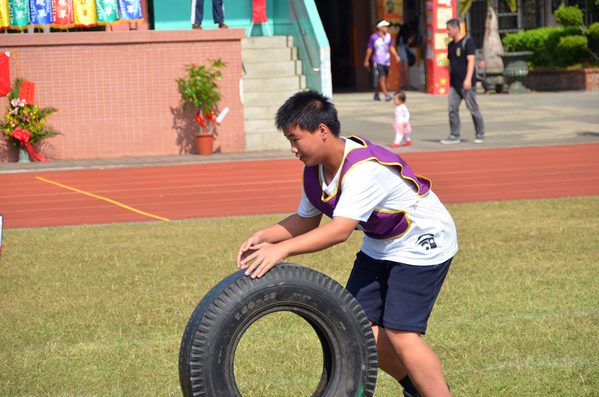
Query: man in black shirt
x,y
462,60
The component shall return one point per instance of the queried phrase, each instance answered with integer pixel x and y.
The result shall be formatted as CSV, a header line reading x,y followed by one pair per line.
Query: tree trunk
x,y
492,44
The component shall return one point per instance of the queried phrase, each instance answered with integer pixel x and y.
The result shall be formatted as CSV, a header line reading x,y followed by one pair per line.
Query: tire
x,y
206,357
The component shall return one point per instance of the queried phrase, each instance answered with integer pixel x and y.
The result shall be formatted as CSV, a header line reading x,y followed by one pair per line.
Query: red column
x,y
438,12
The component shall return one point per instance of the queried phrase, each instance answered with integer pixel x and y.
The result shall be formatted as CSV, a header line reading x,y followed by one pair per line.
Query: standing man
x,y
462,59
379,47
197,13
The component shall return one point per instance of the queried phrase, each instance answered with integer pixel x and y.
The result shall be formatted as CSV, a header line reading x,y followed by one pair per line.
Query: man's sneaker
x,y
388,98
451,140
480,138
376,97
222,26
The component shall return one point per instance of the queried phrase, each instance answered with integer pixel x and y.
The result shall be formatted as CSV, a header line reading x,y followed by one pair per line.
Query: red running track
x,y
273,186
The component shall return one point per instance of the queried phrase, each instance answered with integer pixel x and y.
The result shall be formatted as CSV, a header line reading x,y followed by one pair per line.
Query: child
x,y
409,243
402,120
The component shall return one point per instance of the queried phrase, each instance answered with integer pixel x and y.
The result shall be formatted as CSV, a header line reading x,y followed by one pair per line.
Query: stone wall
x,y
115,91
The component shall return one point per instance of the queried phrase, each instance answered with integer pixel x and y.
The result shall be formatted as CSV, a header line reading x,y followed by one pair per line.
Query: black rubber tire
x,y
206,358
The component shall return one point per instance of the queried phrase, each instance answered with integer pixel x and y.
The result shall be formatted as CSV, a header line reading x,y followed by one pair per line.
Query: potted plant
x,y
199,89
25,124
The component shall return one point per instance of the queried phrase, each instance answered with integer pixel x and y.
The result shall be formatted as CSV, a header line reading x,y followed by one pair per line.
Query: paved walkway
x,y
536,119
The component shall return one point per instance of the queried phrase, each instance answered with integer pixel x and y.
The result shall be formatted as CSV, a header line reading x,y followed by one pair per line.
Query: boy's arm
x,y
290,227
266,255
367,59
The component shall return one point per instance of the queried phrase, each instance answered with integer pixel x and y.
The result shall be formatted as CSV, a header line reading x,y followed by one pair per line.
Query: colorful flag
x,y
130,10
41,13
62,13
85,13
19,14
108,11
4,15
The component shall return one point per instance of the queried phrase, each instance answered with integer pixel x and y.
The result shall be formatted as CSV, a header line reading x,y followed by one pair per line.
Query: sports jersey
x,y
369,186
380,46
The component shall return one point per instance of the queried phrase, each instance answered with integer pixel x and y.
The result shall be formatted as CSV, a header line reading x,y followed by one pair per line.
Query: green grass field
x,y
100,311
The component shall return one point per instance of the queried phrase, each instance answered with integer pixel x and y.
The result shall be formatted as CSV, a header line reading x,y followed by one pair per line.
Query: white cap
x,y
382,23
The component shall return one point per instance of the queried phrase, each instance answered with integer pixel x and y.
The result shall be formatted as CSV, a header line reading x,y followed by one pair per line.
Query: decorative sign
x,y
438,12
27,92
19,14
40,12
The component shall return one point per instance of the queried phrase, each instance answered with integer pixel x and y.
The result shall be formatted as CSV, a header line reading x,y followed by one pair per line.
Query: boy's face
x,y
305,145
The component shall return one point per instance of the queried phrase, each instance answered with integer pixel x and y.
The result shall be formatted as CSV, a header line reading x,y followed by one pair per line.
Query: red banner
x,y
4,75
259,11
63,14
27,92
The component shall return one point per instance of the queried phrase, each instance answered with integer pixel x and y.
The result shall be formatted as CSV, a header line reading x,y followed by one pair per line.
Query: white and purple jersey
x,y
380,46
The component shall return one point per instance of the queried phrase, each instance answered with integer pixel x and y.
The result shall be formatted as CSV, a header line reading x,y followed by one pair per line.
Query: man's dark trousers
x,y
455,98
197,15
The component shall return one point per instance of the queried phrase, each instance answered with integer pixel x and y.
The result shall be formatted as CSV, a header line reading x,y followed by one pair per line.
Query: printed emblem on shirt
x,y
427,241
458,52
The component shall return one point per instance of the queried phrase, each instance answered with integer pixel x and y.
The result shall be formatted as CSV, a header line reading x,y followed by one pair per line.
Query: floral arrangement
x,y
199,88
23,119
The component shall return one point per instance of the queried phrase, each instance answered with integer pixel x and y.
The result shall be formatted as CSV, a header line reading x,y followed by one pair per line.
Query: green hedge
x,y
545,45
558,47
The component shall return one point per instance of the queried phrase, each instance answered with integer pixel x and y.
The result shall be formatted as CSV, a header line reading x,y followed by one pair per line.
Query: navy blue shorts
x,y
395,295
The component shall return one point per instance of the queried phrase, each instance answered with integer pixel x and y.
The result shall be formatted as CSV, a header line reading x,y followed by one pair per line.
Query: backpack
x,y
480,71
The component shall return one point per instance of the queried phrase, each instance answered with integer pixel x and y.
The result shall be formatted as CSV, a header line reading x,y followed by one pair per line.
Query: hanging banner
x,y
40,13
85,13
19,14
108,11
259,11
4,15
130,10
4,74
62,13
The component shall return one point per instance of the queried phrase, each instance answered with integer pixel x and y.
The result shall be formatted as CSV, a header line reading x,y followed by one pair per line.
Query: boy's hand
x,y
265,257
246,249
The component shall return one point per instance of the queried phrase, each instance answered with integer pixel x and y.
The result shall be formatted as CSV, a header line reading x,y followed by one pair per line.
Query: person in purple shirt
x,y
380,47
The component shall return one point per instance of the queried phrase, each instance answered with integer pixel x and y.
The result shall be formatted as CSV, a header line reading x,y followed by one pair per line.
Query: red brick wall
x,y
115,91
561,80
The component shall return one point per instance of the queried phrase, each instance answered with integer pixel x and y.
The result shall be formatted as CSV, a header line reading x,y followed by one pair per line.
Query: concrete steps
x,y
273,74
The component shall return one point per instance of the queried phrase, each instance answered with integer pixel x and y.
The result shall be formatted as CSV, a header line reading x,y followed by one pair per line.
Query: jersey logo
x,y
427,241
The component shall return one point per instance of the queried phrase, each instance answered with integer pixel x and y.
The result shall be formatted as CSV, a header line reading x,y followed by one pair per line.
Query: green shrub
x,y
572,49
594,37
569,16
544,43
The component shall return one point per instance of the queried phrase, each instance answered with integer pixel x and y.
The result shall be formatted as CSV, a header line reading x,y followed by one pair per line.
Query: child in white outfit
x,y
402,120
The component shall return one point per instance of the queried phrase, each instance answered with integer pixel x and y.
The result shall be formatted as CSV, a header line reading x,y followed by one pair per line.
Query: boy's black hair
x,y
401,95
454,23
307,110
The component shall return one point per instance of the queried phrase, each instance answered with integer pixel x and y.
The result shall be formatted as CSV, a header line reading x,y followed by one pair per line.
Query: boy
x,y
380,46
410,238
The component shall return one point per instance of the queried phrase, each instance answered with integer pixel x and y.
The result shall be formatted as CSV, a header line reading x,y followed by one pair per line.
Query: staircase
x,y
273,74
